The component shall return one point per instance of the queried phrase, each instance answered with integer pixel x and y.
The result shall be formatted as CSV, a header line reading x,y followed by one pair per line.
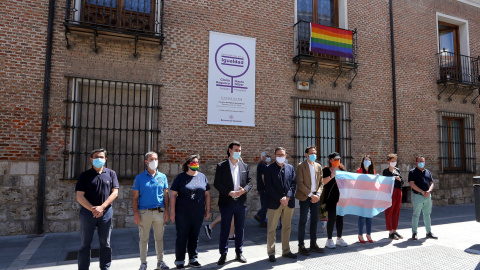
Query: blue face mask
x,y
236,155
98,162
312,157
367,163
268,159
421,165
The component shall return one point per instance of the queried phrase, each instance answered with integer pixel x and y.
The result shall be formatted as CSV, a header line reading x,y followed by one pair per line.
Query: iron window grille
x,y
325,124
122,117
457,142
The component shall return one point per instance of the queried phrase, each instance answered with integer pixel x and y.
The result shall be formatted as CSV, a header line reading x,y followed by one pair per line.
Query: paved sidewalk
x,y
458,247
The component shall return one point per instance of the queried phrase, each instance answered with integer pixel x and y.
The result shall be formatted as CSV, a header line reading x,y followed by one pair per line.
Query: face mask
x,y
236,155
194,166
268,159
336,163
367,163
98,162
421,165
312,157
393,164
280,160
153,165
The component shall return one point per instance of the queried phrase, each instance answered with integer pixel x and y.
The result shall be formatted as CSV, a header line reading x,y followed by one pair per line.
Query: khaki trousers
x,y
150,219
274,215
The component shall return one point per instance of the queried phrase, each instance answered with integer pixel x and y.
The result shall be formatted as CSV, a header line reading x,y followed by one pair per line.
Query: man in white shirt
x,y
309,189
233,181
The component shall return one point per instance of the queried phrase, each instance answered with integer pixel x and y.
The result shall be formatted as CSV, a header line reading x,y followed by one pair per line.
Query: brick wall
x,y
183,72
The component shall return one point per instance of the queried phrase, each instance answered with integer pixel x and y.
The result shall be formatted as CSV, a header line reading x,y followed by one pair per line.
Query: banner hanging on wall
x,y
231,80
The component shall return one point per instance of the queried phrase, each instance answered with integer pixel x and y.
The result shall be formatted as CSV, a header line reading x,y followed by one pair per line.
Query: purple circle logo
x,y
232,60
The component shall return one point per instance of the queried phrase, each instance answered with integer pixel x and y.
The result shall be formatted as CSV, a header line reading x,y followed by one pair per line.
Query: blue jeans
x,y
188,227
262,213
87,229
237,210
314,208
361,222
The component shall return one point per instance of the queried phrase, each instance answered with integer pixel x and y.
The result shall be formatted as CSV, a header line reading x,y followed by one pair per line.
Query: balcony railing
x,y
302,48
458,69
140,18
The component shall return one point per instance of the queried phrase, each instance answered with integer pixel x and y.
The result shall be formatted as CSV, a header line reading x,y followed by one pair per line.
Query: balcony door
x,y
449,47
324,12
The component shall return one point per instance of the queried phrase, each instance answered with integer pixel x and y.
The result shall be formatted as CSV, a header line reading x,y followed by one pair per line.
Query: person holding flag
x,y
366,167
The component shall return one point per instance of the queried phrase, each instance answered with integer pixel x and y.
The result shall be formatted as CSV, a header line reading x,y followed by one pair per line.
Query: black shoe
x,y
304,251
317,249
208,231
257,218
431,236
194,264
180,266
414,236
290,255
222,259
240,258
232,238
271,258
393,236
398,235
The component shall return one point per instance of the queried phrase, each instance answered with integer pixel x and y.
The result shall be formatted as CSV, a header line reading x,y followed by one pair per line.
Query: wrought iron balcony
x,y
458,69
302,49
135,19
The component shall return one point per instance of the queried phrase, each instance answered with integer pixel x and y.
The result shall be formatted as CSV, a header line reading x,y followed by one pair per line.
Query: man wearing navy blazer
x,y
280,184
232,180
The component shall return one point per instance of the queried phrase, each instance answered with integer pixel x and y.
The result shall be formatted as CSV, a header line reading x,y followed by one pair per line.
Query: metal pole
x,y
394,80
42,173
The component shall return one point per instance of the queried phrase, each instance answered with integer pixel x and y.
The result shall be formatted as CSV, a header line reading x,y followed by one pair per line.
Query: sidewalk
x,y
458,247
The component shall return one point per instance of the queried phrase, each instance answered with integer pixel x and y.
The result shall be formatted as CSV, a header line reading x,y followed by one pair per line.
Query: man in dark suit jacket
x,y
280,184
232,180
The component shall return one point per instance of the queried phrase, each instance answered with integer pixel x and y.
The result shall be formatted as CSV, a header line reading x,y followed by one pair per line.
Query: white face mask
x,y
280,160
268,159
393,164
153,164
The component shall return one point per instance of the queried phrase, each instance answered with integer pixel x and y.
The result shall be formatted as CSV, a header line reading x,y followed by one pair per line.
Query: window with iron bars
x,y
122,117
457,142
325,124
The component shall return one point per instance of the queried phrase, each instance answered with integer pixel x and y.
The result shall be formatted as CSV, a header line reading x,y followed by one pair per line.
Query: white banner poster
x,y
231,80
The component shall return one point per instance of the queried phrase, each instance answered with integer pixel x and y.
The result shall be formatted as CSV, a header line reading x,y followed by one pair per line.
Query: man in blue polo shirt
x,y
150,199
421,182
96,189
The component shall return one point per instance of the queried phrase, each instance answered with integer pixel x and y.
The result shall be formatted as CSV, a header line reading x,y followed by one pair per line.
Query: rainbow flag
x,y
365,195
331,41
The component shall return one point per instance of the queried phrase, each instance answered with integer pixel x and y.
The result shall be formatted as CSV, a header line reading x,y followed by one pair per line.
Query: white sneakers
x,y
341,243
330,243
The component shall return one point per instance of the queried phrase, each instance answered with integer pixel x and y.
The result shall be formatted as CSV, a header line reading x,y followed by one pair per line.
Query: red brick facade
x,y
183,72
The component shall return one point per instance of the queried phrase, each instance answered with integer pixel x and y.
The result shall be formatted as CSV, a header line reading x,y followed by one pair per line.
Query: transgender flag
x,y
365,195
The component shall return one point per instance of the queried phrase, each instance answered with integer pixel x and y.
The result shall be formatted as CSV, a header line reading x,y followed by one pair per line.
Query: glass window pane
x,y
456,143
305,10
327,135
103,3
143,6
307,131
445,154
326,12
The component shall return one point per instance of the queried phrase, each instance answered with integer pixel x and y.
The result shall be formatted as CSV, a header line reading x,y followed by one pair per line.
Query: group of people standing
x,y
278,183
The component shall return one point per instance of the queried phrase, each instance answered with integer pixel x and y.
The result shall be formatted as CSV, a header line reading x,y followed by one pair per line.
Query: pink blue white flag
x,y
365,195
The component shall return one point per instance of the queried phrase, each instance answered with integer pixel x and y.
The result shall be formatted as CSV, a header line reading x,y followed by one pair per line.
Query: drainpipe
x,y
42,173
394,80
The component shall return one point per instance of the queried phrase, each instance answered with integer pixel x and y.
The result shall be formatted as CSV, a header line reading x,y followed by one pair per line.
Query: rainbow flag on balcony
x,y
331,41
